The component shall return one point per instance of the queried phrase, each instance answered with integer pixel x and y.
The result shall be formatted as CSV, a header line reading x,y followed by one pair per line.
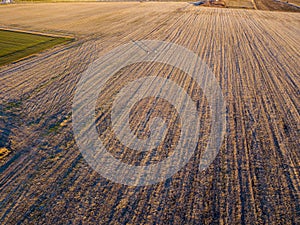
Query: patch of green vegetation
x,y
16,45
13,104
54,128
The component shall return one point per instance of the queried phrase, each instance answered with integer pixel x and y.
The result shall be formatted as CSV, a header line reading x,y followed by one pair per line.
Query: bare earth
x,y
255,58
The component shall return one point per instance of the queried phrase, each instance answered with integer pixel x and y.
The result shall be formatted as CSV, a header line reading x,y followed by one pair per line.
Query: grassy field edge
x,y
17,55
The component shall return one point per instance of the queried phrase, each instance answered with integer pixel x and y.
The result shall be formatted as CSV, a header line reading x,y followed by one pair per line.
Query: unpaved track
x,y
255,58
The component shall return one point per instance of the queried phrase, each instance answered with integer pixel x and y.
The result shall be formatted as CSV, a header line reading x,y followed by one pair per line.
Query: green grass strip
x,y
16,45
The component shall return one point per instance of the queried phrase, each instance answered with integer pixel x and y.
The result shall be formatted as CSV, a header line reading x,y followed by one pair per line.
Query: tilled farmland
x,y
254,56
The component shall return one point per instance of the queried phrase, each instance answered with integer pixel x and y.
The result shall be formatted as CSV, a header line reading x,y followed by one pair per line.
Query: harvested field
x,y
294,2
247,4
254,56
277,5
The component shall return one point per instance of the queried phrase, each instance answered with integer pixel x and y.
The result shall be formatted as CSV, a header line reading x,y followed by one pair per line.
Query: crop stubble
x,y
253,55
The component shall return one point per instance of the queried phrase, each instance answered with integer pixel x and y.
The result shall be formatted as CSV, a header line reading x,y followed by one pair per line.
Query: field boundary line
x,y
36,32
